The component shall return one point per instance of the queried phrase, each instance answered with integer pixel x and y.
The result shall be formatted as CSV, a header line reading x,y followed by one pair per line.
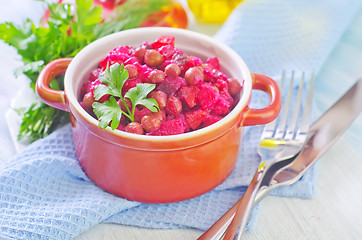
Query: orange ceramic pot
x,y
157,169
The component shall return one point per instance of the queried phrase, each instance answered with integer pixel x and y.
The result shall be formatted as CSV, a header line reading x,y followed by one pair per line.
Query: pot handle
x,y
54,98
264,115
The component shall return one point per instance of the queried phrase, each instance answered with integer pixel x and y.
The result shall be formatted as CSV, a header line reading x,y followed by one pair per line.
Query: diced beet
x,y
182,117
227,96
208,74
162,41
146,45
114,58
122,49
221,107
144,72
95,73
169,127
210,119
104,98
123,123
191,62
131,83
221,85
165,63
167,51
194,118
171,85
180,59
121,126
173,105
211,75
131,60
103,63
188,94
93,85
218,74
178,52
213,62
207,95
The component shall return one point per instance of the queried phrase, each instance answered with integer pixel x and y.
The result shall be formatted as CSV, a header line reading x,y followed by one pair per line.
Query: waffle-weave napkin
x,y
44,194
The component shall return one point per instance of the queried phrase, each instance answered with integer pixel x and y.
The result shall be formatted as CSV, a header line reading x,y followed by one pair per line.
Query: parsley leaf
x,y
138,95
108,112
114,78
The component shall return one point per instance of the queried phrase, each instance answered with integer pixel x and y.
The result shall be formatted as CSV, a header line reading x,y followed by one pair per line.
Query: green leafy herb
x,y
138,95
69,28
114,78
109,112
38,121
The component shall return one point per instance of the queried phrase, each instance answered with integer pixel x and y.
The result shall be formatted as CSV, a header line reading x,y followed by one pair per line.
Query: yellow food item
x,y
215,11
270,143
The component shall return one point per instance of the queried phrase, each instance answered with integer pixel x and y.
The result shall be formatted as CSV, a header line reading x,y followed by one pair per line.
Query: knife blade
x,y
323,133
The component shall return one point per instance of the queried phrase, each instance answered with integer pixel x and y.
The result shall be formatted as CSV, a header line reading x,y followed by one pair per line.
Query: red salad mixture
x,y
156,89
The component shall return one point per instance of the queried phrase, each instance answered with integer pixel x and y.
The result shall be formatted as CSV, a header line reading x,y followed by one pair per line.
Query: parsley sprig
x,y
109,112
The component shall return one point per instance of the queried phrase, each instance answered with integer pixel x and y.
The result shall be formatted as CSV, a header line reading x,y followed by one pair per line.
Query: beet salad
x,y
156,89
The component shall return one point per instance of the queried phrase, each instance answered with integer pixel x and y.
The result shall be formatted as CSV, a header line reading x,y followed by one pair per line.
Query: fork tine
x,y
280,132
292,127
307,111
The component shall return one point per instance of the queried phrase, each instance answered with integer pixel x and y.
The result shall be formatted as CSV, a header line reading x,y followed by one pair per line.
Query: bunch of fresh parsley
x,y
70,27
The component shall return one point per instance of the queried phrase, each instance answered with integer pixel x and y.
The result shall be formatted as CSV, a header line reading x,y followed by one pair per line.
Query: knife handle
x,y
220,226
244,207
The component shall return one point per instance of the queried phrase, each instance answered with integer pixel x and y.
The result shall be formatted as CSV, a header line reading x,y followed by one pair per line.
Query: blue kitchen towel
x,y
44,194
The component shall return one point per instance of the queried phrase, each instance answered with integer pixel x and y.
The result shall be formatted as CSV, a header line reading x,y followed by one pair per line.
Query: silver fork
x,y
281,141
